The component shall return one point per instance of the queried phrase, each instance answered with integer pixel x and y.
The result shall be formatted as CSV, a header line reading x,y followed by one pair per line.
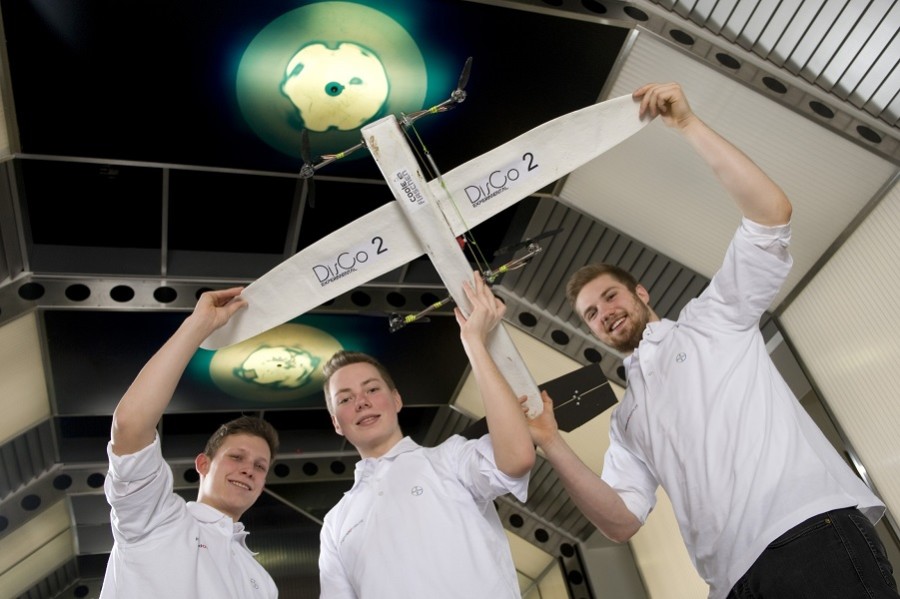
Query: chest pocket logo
x,y
416,491
680,357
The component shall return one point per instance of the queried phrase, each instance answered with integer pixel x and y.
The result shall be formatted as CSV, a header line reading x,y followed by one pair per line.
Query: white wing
x,y
383,240
367,248
495,180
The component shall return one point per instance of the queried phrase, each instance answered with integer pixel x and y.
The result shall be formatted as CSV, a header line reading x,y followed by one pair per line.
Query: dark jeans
x,y
835,555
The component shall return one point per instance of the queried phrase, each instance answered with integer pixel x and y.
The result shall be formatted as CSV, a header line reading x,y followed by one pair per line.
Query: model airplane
x,y
428,217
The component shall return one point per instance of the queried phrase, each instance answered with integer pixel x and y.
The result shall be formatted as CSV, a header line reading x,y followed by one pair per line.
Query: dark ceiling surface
x,y
139,180
196,178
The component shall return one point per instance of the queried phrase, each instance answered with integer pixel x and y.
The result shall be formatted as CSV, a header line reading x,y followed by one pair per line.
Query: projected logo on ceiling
x,y
279,365
341,88
330,67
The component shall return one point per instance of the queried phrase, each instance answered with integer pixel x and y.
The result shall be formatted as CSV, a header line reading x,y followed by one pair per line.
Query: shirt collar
x,y
367,465
210,515
206,513
656,330
404,445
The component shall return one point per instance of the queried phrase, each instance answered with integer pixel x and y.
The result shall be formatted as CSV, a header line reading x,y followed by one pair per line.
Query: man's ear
x,y
398,401
642,293
201,463
337,427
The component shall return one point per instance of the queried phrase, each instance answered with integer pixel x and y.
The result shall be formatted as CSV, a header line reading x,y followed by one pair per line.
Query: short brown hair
x,y
588,273
244,425
345,358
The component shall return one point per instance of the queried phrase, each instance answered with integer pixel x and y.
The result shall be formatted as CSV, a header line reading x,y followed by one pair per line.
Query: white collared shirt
x,y
166,547
707,415
420,522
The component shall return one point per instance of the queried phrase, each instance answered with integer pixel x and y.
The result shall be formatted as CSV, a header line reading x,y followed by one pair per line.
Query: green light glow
x,y
279,365
329,67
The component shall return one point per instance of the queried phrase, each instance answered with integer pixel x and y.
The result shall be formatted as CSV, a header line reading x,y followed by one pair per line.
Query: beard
x,y
638,320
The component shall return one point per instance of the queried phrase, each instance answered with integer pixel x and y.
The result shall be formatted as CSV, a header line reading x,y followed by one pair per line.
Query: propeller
x,y
459,94
306,187
397,321
514,247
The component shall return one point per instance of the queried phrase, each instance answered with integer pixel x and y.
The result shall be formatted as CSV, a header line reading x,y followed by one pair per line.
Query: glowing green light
x,y
330,67
279,365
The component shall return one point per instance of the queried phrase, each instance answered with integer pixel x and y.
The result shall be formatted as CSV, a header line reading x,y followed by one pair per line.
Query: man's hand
x,y
215,308
543,428
666,100
487,311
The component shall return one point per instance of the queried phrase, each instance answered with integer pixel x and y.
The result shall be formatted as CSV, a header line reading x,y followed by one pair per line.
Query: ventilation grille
x,y
850,49
25,458
56,582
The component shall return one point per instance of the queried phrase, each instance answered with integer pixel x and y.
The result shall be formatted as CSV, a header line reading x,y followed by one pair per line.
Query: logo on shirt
x,y
681,357
416,491
199,544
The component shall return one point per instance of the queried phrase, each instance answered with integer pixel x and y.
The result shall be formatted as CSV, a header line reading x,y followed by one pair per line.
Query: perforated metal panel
x,y
850,49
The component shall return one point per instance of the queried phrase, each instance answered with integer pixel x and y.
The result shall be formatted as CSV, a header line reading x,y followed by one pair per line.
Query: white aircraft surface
x,y
428,217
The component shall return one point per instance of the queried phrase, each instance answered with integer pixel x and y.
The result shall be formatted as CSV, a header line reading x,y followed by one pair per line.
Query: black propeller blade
x,y
459,94
307,171
514,247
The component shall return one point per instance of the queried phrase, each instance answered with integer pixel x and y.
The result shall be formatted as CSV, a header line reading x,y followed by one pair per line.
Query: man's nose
x,y
362,401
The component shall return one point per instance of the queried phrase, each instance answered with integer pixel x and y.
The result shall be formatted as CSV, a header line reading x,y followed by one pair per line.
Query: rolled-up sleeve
x,y
139,489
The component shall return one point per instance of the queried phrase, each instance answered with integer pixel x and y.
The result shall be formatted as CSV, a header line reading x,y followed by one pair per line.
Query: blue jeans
x,y
835,555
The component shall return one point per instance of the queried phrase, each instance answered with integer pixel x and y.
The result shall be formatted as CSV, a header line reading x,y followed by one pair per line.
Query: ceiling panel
x,y
831,43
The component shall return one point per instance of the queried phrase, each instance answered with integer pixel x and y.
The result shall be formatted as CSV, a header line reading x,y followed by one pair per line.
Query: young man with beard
x,y
164,546
767,508
420,521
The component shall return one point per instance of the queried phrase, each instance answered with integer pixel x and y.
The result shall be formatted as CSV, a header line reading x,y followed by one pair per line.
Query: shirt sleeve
x,y
630,477
139,490
773,240
755,267
479,472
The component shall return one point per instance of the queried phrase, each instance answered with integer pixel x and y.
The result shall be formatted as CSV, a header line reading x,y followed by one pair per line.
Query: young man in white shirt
x,y
420,521
767,508
164,546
